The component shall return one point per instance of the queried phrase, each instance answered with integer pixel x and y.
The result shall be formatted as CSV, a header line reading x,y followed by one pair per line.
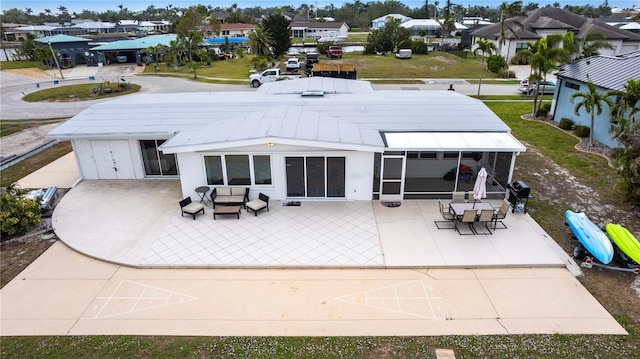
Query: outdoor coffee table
x,y
222,210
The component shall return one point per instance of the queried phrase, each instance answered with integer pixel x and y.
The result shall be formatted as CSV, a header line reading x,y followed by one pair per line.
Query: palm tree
x,y
591,43
544,56
260,41
486,47
508,23
593,102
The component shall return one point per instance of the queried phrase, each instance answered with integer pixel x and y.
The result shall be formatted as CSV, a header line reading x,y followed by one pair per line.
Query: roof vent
x,y
312,93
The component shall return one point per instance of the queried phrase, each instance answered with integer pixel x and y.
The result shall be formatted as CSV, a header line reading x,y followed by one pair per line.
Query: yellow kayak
x,y
627,243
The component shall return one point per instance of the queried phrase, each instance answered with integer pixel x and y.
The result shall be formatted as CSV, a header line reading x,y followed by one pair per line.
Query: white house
x,y
381,22
313,138
317,30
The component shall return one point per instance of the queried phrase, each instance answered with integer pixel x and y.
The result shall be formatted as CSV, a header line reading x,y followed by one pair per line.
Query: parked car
x,y
526,88
293,64
334,51
271,75
312,58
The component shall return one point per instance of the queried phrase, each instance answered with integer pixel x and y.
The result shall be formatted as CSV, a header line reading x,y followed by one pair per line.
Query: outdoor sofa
x,y
230,196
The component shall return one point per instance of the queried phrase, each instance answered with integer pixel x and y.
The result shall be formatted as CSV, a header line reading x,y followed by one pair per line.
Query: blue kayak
x,y
590,236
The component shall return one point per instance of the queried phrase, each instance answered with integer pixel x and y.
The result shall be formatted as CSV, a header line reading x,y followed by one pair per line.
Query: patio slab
x,y
114,299
139,223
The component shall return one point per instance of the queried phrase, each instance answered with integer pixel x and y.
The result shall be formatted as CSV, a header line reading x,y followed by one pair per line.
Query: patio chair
x,y
469,218
188,207
486,217
458,197
258,204
501,214
446,215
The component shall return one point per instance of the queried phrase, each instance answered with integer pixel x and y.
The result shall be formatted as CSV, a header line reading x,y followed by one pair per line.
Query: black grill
x,y
519,193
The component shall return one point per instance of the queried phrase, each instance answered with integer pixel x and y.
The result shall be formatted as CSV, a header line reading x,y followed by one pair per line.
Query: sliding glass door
x,y
315,177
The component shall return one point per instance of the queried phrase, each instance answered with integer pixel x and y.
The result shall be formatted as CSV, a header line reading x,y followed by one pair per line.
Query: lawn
x,y
82,92
433,65
11,65
33,163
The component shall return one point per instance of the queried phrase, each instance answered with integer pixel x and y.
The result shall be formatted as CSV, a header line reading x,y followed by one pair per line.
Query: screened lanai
x,y
422,165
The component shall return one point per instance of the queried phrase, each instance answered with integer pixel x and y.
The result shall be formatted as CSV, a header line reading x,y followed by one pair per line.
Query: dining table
x,y
458,208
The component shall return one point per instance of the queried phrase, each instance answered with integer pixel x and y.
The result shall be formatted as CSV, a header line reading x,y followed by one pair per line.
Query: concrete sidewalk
x,y
65,293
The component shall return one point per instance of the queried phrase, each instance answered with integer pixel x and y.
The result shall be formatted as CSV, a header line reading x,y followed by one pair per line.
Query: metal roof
x,y
137,44
608,72
351,120
453,141
61,38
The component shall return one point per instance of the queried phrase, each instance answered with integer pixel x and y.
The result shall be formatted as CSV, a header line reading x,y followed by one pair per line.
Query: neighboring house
x,y
71,49
312,138
34,31
542,22
607,73
317,30
117,51
236,29
220,16
422,27
381,22
8,31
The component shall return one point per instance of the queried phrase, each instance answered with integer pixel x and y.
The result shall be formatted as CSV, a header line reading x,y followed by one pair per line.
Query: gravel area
x,y
24,141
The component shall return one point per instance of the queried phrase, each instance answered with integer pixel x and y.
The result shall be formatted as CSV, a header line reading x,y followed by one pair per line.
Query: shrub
x,y
17,214
495,63
582,131
419,47
566,124
544,109
260,63
506,74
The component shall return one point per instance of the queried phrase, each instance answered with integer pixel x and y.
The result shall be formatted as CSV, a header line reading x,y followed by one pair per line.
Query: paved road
x,y
14,87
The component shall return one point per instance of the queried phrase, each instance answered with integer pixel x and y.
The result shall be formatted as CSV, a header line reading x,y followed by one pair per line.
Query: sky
x,y
38,6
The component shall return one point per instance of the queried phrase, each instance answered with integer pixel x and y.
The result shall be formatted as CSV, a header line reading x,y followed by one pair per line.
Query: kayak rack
x,y
589,263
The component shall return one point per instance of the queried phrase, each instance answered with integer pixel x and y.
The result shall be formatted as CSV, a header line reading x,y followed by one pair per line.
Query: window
x,y
155,162
571,85
213,169
521,46
262,169
450,155
238,170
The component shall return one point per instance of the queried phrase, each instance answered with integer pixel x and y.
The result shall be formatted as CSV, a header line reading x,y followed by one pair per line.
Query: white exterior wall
x,y
131,166
358,175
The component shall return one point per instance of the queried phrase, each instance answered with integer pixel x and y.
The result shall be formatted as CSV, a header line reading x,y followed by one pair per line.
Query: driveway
x,y
66,293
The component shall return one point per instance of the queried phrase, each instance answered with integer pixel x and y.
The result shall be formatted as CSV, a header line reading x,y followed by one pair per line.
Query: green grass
x,y
511,98
357,37
433,65
9,127
11,65
558,145
76,92
493,81
225,69
33,163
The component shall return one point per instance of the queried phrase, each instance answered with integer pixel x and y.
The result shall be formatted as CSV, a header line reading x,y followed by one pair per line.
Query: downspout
x,y
556,97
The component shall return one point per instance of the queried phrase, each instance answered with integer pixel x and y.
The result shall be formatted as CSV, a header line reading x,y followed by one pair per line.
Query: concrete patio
x,y
139,223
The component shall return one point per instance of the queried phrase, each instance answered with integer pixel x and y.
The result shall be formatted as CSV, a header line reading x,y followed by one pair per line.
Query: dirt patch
x,y
16,256
31,72
446,60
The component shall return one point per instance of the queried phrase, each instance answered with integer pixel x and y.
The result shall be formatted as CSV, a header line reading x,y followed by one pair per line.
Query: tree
x,y
191,43
260,41
278,27
486,47
391,37
625,119
510,24
592,42
593,102
544,56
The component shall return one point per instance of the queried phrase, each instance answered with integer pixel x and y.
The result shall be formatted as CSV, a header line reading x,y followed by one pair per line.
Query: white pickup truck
x,y
271,75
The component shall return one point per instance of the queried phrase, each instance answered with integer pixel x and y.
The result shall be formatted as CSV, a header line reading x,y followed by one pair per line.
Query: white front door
x,y
113,159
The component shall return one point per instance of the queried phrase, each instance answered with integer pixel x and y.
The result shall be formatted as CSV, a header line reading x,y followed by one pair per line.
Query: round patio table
x,y
202,192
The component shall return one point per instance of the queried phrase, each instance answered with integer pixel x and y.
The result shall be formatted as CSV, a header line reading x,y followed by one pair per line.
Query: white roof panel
x,y
353,119
453,141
